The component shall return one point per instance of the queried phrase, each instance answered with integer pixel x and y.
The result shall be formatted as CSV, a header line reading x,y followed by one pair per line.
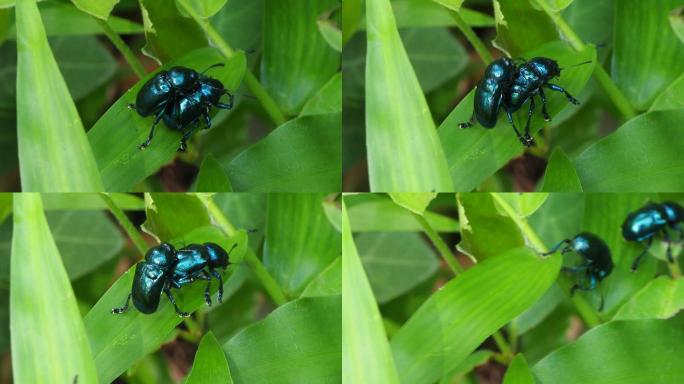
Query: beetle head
x,y
674,212
183,78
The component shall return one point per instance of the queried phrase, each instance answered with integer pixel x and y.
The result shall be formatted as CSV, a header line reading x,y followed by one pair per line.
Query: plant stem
x,y
583,308
475,41
125,223
675,271
614,93
442,248
270,106
128,55
503,346
267,281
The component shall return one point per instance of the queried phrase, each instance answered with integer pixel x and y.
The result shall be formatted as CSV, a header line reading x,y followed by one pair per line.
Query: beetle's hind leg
x,y
529,141
635,264
120,310
180,313
558,88
668,240
184,140
545,113
523,140
220,279
157,118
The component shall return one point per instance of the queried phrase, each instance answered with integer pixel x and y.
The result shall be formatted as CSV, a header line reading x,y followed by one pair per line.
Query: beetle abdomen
x,y
488,99
642,224
153,94
148,283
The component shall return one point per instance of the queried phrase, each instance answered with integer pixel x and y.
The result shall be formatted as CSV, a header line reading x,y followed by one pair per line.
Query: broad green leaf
x,y
300,242
554,5
10,3
210,363
677,22
5,206
476,153
591,20
476,358
204,8
239,23
485,232
383,215
62,19
560,175
661,298
328,282
118,341
245,210
300,155
299,342
638,351
170,215
518,372
44,317
169,35
535,314
291,36
334,214
352,12
560,217
603,216
420,13
640,156
671,98
98,8
5,24
414,202
327,100
454,5
404,152
212,177
90,201
50,133
366,354
521,28
550,334
116,136
524,204
642,30
438,337
395,262
331,33
83,61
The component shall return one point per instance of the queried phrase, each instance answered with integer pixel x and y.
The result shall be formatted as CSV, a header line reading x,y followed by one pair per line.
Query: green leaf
x,y
677,22
204,8
518,372
240,23
671,98
117,341
116,136
642,29
420,13
352,12
331,33
11,3
395,262
366,355
212,177
404,152
5,206
476,153
328,282
438,337
327,100
485,232
560,217
414,202
300,155
631,352
383,215
560,175
513,17
291,36
300,242
62,19
169,35
50,133
454,5
170,215
90,201
535,314
297,343
98,8
44,317
83,61
524,204
210,363
610,164
661,298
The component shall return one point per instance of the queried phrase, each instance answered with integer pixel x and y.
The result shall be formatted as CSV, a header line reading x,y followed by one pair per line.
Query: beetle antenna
x,y
582,63
214,66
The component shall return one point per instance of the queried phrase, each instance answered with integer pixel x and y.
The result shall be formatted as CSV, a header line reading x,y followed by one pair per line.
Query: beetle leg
x,y
231,98
186,136
575,269
545,113
220,279
517,133
527,137
557,247
207,119
636,261
180,313
161,112
558,88
468,123
123,309
666,236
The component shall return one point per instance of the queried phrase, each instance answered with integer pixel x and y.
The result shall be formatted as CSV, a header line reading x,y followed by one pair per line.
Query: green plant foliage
x,y
643,30
169,35
298,342
97,8
404,153
210,363
170,215
379,214
627,355
414,202
212,177
205,8
42,299
514,16
518,372
560,174
328,282
661,298
50,133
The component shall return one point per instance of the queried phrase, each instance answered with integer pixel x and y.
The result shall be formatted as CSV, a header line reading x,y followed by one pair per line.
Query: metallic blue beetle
x,y
651,219
180,96
597,260
164,268
507,86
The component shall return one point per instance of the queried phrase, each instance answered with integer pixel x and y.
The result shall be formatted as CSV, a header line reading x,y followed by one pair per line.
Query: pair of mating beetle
x,y
508,86
180,96
640,225
165,267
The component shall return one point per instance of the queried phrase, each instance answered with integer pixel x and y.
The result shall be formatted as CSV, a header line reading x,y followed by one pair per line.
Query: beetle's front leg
x,y
635,264
529,141
517,133
558,88
545,113
160,114
220,279
180,313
